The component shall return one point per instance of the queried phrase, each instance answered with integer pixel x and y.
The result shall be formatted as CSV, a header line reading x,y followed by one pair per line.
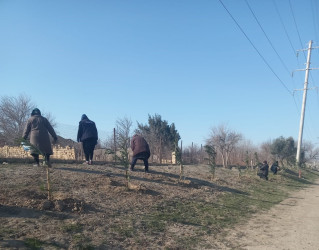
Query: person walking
x,y
38,127
141,151
263,171
87,134
274,167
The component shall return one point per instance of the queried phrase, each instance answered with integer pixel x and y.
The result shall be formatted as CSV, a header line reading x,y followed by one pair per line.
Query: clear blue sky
x,y
185,60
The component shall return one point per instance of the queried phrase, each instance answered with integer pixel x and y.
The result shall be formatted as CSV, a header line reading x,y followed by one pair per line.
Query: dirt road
x,y
292,224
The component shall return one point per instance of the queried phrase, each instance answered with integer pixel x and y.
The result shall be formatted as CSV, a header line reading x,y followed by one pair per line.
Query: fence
x,y
70,153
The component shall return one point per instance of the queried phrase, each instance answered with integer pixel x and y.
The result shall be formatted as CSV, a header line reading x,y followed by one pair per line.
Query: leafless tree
x,y
14,112
310,152
265,152
224,140
243,154
193,154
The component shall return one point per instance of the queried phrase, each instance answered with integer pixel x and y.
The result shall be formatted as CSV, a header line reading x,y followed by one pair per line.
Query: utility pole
x,y
304,99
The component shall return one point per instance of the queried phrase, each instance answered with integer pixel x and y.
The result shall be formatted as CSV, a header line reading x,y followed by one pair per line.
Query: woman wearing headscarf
x,y
38,127
87,134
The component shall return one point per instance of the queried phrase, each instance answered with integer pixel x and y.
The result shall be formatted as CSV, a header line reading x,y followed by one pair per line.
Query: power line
x,y
271,44
252,44
293,15
314,19
282,23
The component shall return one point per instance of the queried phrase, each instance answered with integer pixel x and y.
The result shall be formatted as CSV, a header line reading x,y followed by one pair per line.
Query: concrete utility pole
x,y
304,99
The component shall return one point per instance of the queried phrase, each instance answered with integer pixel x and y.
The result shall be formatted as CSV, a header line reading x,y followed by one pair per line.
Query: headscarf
x,y
36,111
84,117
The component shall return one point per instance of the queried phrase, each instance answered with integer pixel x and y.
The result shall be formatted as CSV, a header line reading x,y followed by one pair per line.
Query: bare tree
x,y
244,154
192,154
265,151
225,141
309,153
14,112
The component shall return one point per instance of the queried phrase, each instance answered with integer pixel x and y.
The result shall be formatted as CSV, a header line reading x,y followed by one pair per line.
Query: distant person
x,y
87,134
141,151
39,128
274,167
263,171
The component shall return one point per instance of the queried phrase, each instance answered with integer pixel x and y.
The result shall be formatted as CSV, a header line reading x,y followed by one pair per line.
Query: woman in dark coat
x,y
87,134
39,128
274,167
141,150
263,171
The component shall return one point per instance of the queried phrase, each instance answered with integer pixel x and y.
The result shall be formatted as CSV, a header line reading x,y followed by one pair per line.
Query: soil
x,y
92,208
291,225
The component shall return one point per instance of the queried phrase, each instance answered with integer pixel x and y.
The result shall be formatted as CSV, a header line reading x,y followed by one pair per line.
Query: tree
x,y
192,154
123,135
14,113
284,150
224,140
211,153
309,153
161,136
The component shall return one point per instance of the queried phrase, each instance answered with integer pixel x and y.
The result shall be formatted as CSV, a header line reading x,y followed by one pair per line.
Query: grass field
x,y
92,208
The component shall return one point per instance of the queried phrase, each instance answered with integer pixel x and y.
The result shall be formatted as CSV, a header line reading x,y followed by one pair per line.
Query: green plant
x,y
211,152
179,161
33,243
72,228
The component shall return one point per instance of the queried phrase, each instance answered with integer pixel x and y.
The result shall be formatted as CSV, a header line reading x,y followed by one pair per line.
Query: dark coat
x,y
274,167
264,169
39,128
139,145
87,130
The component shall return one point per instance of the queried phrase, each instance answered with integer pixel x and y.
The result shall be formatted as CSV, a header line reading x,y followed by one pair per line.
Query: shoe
x,y
36,165
147,171
49,164
86,163
90,162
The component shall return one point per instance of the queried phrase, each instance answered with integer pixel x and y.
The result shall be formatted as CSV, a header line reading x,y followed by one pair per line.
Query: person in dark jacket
x,y
141,151
274,167
263,171
87,134
38,127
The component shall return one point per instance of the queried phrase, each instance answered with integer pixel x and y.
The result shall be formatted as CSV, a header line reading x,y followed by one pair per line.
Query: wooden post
x,y
114,137
181,168
48,184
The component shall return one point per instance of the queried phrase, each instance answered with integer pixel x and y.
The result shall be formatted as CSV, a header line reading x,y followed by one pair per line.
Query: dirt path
x,y
292,224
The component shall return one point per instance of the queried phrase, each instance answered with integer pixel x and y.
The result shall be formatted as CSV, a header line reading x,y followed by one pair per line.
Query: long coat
x,y
139,145
264,169
39,128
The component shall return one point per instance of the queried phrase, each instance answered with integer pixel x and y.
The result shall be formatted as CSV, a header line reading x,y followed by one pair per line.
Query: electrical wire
x,y
283,25
314,19
293,15
271,44
252,44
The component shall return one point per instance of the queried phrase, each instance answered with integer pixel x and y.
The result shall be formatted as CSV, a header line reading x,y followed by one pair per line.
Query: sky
x,y
198,64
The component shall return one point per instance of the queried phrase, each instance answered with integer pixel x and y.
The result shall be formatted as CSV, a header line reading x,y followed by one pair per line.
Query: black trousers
x,y
88,148
141,156
36,158
263,175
